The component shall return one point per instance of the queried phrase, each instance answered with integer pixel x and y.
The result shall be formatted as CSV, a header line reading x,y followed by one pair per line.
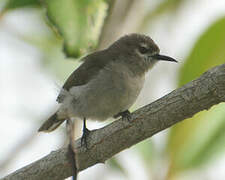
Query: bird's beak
x,y
164,58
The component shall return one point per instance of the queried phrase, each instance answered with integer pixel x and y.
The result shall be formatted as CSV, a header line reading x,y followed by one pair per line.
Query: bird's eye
x,y
143,50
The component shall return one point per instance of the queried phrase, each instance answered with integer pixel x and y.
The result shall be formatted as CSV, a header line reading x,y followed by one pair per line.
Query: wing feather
x,y
93,63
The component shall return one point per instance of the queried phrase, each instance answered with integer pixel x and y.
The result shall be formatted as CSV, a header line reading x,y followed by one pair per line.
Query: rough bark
x,y
180,104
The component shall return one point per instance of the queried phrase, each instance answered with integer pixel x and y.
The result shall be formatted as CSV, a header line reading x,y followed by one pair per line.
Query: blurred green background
x,y
41,44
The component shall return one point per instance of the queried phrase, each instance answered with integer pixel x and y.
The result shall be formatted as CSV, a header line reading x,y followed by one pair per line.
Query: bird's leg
x,y
86,131
125,115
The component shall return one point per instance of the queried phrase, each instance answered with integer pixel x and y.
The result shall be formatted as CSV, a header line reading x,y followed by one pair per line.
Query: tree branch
x,y
182,103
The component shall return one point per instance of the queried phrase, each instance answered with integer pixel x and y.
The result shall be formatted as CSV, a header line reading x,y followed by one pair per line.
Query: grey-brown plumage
x,y
108,82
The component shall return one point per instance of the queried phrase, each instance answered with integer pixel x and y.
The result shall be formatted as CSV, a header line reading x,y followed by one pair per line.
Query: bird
x,y
107,83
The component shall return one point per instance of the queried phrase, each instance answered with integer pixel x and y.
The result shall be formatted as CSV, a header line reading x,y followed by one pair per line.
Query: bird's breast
x,y
113,90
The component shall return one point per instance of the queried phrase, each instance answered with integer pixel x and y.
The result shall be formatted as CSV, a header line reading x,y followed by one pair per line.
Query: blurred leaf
x,y
115,164
150,156
147,151
199,139
52,55
13,4
213,136
208,52
78,22
163,7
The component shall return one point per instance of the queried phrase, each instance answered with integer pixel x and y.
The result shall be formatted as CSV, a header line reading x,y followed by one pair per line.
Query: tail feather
x,y
51,124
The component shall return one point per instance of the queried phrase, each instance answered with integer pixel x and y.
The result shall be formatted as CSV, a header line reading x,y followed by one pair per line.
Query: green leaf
x,y
78,22
13,4
208,52
199,139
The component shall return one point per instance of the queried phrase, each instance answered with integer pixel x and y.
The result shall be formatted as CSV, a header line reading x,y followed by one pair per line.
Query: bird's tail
x,y
51,124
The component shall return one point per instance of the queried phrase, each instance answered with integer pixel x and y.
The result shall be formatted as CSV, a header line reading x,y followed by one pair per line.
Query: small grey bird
x,y
107,83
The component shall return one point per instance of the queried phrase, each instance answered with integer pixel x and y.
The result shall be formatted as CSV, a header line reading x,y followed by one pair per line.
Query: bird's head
x,y
138,51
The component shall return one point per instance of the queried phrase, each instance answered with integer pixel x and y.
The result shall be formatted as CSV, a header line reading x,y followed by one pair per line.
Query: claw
x,y
126,115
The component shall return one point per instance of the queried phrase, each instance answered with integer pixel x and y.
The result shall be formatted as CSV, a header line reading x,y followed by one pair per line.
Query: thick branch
x,y
182,103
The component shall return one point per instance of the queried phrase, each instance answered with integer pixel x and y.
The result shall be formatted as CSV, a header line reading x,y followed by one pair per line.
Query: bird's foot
x,y
85,134
126,115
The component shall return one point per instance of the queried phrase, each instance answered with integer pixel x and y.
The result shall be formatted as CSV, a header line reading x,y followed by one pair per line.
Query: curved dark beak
x,y
164,58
